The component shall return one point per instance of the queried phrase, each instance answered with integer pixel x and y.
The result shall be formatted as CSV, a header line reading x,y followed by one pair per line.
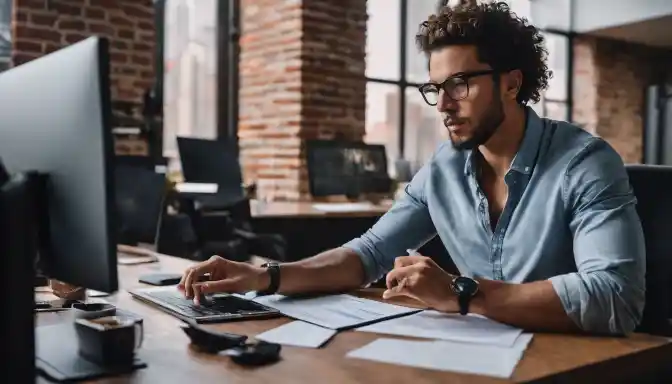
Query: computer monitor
x,y
212,161
338,167
56,121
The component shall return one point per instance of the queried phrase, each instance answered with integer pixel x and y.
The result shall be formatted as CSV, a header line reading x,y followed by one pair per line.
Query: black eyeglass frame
x,y
464,76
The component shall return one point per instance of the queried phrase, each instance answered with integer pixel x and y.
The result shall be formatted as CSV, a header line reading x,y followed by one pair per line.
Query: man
x,y
537,215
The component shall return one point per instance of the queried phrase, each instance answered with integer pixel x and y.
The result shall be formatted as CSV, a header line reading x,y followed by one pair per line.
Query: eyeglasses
x,y
456,87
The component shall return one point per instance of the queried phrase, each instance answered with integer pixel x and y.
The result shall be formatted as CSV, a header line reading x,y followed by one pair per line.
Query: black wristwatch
x,y
465,288
273,270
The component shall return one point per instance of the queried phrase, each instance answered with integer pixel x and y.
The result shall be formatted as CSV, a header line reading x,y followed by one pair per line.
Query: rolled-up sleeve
x,y
606,295
406,225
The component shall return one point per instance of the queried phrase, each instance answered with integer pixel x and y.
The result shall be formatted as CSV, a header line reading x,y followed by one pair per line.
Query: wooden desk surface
x,y
305,209
171,359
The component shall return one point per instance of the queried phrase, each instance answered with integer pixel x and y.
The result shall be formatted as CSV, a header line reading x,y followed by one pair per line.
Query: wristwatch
x,y
465,288
273,270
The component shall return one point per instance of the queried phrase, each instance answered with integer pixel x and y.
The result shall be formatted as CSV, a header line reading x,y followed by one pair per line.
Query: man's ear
x,y
512,82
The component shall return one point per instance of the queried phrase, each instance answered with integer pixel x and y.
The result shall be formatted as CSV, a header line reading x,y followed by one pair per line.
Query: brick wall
x,y
40,27
610,79
302,72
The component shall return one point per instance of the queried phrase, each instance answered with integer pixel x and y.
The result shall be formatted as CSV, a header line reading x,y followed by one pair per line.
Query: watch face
x,y
465,285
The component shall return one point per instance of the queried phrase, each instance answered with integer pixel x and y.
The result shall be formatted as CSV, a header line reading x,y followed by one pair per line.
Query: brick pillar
x,y
610,79
302,76
40,27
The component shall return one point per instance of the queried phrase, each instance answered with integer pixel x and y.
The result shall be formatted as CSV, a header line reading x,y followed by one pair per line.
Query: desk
x,y
556,358
305,209
309,231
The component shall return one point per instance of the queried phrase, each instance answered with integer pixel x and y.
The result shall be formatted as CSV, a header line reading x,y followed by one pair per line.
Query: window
x,y
190,72
394,69
554,99
396,115
5,34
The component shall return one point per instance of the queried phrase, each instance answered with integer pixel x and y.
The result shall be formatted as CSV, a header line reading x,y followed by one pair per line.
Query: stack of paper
x,y
298,334
334,311
469,358
448,326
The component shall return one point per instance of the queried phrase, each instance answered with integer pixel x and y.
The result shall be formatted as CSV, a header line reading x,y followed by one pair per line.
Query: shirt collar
x,y
526,158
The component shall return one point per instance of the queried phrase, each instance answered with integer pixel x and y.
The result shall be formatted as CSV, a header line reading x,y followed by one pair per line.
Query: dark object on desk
x,y
160,279
58,358
338,167
235,346
255,354
222,307
652,186
212,341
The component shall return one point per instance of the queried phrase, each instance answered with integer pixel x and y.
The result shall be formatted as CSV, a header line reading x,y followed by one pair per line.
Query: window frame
x,y
228,55
402,83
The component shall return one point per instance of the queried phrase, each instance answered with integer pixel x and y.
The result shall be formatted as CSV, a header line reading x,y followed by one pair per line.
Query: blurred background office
x,y
272,74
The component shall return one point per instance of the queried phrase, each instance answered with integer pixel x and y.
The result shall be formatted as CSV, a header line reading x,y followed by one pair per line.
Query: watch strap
x,y
273,270
463,300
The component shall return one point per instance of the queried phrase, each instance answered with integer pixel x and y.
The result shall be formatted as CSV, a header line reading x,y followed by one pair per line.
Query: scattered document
x,y
343,207
448,326
298,334
442,355
334,311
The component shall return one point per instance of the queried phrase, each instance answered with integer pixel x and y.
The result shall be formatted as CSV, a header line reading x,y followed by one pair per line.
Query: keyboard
x,y
221,307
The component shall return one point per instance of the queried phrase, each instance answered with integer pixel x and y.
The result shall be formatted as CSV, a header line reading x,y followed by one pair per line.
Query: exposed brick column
x,y
302,72
609,83
40,27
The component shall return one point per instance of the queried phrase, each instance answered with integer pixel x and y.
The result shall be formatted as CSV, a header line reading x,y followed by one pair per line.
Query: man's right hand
x,y
225,276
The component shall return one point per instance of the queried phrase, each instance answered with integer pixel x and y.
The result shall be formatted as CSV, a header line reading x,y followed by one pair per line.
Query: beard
x,y
492,119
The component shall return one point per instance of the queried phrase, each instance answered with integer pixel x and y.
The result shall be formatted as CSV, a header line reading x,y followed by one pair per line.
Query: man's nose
x,y
445,103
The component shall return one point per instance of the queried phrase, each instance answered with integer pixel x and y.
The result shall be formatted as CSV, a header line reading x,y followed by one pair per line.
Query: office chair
x,y
212,161
222,222
652,186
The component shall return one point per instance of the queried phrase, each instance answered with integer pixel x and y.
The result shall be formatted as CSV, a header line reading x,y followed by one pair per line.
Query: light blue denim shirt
x,y
569,218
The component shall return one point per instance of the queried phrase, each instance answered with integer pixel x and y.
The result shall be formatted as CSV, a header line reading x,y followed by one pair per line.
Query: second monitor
x,y
353,169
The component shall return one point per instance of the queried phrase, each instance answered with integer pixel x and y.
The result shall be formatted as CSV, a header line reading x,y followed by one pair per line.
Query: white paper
x,y
334,311
342,207
447,326
298,334
196,187
442,355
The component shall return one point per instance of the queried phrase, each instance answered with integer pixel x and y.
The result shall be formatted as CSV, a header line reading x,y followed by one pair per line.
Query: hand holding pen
x,y
420,278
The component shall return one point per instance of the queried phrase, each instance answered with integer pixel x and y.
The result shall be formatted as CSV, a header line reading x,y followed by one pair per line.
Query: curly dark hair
x,y
503,40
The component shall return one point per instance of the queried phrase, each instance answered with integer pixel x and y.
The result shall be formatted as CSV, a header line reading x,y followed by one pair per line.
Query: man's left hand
x,y
421,278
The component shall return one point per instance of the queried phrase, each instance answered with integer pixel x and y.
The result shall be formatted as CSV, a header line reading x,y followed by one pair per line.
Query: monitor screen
x,y
338,167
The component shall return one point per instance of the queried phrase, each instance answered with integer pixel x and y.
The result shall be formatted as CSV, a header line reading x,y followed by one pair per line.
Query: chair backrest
x,y
212,161
140,197
652,186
